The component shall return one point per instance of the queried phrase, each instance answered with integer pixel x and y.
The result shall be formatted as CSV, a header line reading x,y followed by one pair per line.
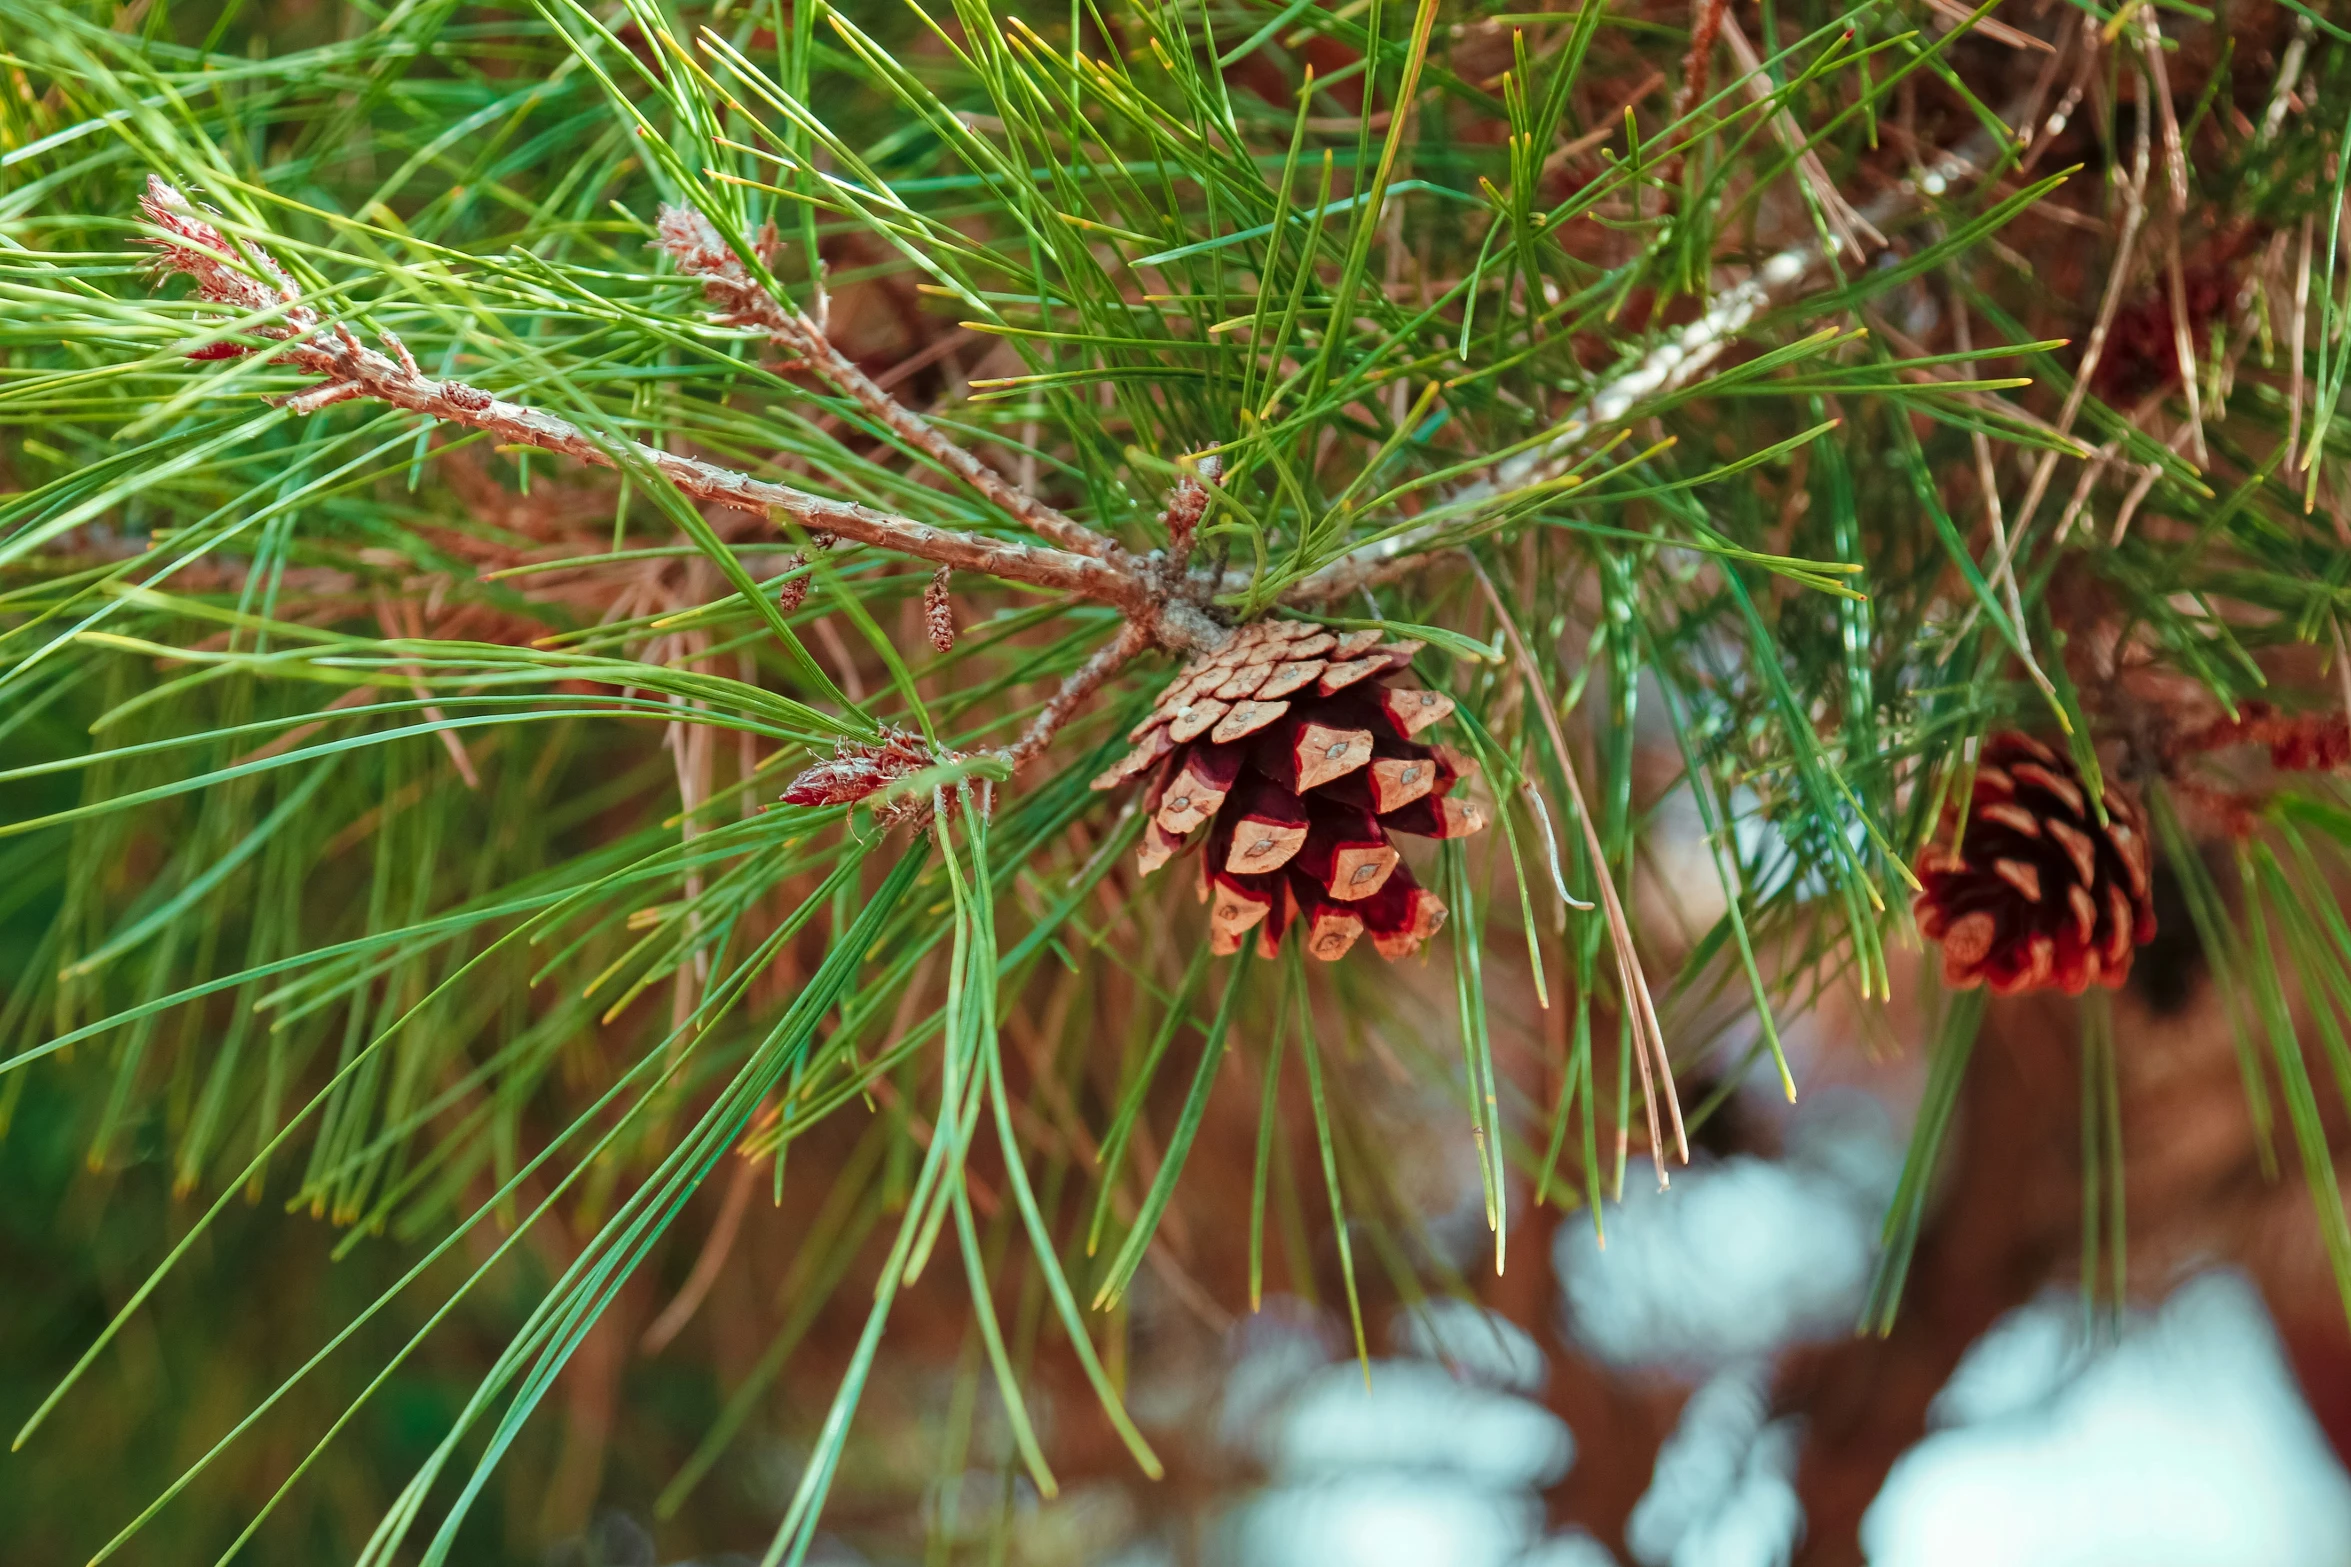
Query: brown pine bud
x,y
859,769
938,613
2298,742
1186,504
1184,508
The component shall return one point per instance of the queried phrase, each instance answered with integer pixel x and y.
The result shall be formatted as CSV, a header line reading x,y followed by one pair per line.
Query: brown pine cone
x,y
2037,894
1296,749
2142,349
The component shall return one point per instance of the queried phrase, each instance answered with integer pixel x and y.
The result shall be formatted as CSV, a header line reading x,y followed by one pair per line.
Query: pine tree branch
x,y
2134,195
238,276
691,241
1166,603
860,770
1082,683
1673,364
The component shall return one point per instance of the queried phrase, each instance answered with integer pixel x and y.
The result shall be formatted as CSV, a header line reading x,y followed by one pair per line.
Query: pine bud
x,y
794,592
938,613
699,252
1184,510
2297,742
196,248
859,769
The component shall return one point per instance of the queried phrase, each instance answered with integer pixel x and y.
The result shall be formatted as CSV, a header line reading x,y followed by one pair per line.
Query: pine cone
x,y
1296,749
2036,894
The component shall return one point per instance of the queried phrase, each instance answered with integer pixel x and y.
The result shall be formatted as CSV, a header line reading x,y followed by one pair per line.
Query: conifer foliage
x,y
565,571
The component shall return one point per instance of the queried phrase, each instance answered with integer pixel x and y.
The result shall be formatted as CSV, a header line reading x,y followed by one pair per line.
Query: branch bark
x,y
368,373
349,369
699,252
1676,363
1082,683
1164,606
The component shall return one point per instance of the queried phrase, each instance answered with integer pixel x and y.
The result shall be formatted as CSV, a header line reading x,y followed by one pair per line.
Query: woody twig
x,y
743,301
1164,599
1687,355
247,279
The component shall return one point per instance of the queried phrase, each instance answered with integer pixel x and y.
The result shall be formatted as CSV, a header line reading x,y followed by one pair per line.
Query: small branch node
x,y
318,397
400,351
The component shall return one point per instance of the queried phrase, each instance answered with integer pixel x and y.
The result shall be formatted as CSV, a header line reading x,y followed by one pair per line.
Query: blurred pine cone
x,y
2034,892
1297,749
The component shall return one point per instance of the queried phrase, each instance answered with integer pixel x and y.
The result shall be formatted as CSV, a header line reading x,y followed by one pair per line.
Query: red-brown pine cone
x,y
2038,895
2142,347
1289,755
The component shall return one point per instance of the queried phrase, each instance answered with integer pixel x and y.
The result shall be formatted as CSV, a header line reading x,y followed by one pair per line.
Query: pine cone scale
x,y
1245,719
1196,717
1288,677
2078,849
